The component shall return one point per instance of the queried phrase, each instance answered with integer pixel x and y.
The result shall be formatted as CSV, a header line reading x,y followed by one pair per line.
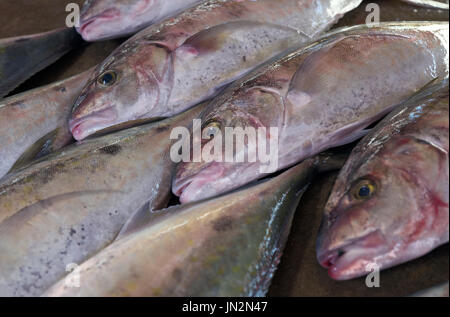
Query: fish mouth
x,y
87,28
90,124
355,258
193,188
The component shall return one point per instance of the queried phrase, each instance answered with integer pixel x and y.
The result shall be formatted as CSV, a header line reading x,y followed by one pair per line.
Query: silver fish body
x,y
187,59
429,4
69,205
227,246
28,117
316,97
441,290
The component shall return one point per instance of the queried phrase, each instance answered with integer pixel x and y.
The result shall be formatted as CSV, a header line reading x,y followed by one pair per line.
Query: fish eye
x,y
108,78
364,189
211,129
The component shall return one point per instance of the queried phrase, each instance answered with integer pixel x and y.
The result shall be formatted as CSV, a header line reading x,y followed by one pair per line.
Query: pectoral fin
x,y
50,142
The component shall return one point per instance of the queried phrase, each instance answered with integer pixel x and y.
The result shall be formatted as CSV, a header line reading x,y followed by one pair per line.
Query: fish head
x,y
104,19
236,126
380,214
122,90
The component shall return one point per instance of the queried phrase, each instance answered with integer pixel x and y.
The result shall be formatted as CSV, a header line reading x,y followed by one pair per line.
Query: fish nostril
x,y
340,253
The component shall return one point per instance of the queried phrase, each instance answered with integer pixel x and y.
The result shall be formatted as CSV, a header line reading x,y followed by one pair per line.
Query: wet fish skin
x,y
109,19
441,290
21,57
186,59
227,246
429,4
67,206
404,164
319,97
27,117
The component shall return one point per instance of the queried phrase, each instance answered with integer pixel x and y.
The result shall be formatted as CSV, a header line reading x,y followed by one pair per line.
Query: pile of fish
x,y
87,174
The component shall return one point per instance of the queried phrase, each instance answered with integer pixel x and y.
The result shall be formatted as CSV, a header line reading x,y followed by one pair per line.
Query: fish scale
x,y
67,206
226,246
204,48
320,96
35,122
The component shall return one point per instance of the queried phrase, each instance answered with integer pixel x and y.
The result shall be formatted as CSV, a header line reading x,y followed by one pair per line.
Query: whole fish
x,y
389,204
21,57
69,205
107,19
429,4
34,123
315,98
227,246
186,59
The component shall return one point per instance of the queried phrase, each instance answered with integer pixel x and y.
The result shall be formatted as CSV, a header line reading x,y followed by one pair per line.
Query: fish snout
x,y
192,185
83,126
91,24
351,259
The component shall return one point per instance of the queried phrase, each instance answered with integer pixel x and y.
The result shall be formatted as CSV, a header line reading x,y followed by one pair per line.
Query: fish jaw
x,y
355,258
95,28
198,182
192,188
372,252
85,126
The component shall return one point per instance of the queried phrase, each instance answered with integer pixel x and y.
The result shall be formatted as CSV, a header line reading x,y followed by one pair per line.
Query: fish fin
x,y
140,219
22,57
213,38
352,137
187,51
26,214
38,149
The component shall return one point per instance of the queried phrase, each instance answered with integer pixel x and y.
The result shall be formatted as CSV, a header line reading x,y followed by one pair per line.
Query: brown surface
x,y
299,274
23,17
393,10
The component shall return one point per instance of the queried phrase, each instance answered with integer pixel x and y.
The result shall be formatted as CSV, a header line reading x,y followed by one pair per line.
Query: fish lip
x,y
336,260
108,14
98,118
186,188
179,187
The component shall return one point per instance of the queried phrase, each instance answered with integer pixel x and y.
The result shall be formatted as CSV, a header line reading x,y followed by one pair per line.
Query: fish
x,y
189,58
67,206
440,290
23,56
35,123
321,96
443,5
109,19
389,204
225,246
